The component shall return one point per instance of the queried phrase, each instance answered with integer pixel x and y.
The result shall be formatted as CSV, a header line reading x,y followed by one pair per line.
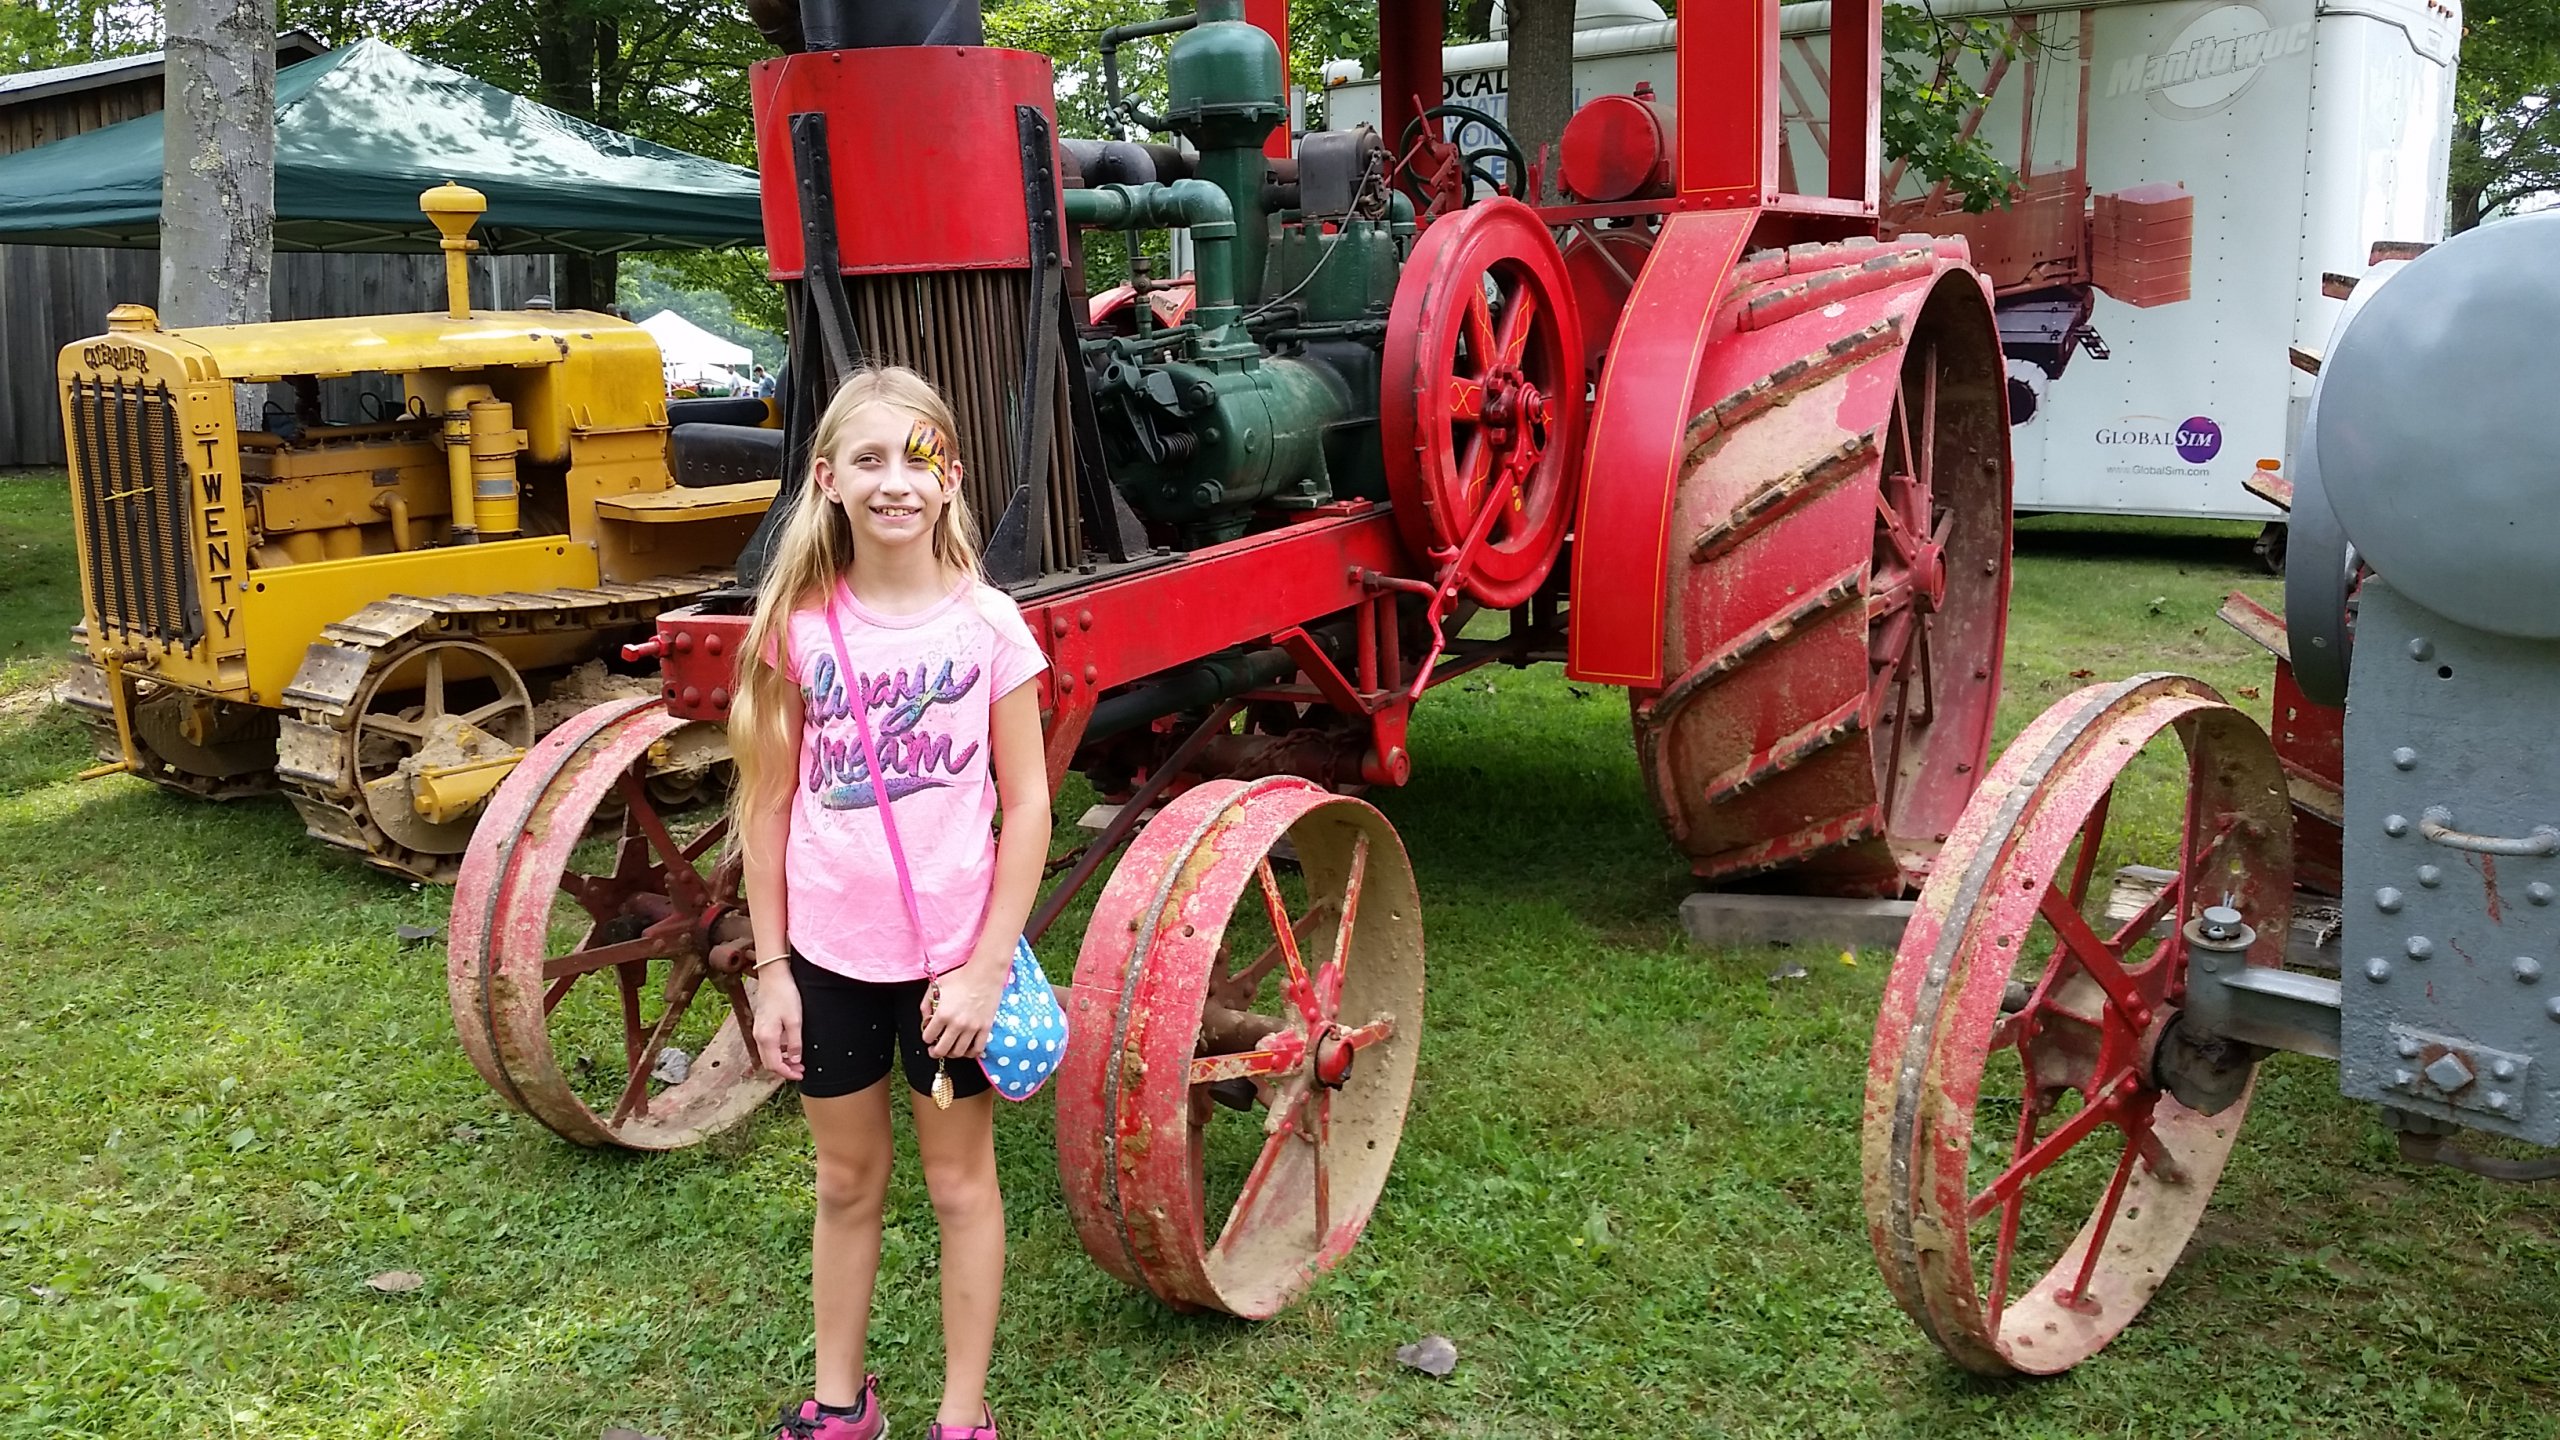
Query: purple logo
x,y
2199,440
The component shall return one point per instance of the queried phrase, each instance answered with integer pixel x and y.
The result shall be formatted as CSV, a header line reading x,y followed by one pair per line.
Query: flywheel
x,y
1838,576
1481,410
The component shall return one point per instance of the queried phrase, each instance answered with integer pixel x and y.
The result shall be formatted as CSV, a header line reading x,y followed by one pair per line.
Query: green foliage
x,y
1321,30
41,34
723,291
1069,32
1927,95
664,70
2506,139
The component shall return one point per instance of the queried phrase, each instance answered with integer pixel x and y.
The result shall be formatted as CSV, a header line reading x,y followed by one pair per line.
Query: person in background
x,y
764,382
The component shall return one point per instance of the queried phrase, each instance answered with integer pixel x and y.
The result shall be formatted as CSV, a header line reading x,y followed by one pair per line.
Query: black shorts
x,y
849,1027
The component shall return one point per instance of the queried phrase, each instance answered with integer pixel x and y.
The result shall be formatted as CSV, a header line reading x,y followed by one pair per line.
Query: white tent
x,y
692,354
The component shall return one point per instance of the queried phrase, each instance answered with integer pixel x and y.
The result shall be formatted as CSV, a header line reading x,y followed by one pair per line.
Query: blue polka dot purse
x,y
1029,1034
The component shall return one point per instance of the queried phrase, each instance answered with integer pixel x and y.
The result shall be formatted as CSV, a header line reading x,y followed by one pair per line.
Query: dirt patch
x,y
30,690
2382,1189
268,1286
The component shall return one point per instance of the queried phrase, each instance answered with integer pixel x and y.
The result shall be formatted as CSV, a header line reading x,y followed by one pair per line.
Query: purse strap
x,y
861,707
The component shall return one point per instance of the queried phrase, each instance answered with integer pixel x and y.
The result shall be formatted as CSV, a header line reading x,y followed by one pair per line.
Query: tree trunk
x,y
585,282
218,176
2462,209
1541,91
573,52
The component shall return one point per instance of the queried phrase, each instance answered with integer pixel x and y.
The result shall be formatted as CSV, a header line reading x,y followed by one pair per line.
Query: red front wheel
x,y
2029,1181
603,985
1242,1044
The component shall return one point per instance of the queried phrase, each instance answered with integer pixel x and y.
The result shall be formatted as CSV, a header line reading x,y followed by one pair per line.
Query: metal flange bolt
x,y
2449,1072
2220,927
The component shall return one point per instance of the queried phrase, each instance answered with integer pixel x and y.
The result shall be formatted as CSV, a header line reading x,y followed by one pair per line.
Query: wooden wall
x,y
42,121
51,296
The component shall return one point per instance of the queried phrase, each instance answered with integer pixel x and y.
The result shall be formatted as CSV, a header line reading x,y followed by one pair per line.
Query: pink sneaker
x,y
939,1431
807,1424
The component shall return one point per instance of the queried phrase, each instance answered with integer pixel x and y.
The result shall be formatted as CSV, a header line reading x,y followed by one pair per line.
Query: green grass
x,y
1628,1190
39,597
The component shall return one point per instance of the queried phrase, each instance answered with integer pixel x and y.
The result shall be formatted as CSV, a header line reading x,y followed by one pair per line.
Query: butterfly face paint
x,y
929,451
893,473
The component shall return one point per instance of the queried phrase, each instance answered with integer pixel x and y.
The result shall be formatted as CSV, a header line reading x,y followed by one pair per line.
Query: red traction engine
x,y
1718,446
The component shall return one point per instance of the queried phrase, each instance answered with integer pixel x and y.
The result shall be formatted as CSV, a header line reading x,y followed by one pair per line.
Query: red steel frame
x,y
1727,199
1270,586
1125,628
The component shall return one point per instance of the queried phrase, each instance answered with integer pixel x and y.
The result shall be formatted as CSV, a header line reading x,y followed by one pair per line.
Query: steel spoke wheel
x,y
443,709
604,986
1243,1045
1482,407
1907,600
2029,1180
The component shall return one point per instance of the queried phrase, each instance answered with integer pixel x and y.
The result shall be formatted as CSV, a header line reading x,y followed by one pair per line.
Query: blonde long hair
x,y
814,550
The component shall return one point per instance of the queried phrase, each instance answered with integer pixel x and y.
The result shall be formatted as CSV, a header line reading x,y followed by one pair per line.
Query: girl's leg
x,y
854,1149
959,1149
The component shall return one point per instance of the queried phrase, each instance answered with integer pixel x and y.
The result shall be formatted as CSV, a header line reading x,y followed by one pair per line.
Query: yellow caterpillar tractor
x,y
379,613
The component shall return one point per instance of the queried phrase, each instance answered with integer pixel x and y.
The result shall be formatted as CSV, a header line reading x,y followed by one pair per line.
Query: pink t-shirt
x,y
930,680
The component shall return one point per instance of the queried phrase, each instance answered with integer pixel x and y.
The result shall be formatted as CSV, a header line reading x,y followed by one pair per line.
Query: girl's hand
x,y
960,1010
777,1036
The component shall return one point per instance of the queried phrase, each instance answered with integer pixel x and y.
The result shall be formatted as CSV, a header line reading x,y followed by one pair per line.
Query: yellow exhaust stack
x,y
454,209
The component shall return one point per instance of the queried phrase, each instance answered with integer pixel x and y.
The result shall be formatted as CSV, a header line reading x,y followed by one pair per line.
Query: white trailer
x,y
2187,172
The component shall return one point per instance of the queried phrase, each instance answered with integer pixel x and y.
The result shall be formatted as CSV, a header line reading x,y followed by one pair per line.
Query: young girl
x,y
880,541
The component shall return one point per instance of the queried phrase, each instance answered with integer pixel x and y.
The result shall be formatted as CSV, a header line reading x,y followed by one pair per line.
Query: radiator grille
x,y
963,331
129,480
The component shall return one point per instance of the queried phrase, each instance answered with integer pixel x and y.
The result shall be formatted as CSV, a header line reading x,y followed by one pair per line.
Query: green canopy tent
x,y
361,131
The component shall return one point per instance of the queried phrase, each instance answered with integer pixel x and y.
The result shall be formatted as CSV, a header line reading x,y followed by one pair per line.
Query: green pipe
x,y
1238,173
1195,205
1112,40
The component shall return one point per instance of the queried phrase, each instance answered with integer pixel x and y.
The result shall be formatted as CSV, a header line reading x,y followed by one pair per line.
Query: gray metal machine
x,y
2433,450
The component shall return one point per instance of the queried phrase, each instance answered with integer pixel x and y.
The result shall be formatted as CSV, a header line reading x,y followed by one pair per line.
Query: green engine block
x,y
1266,396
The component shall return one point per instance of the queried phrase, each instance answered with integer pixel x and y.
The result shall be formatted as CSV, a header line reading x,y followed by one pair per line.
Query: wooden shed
x,y
51,295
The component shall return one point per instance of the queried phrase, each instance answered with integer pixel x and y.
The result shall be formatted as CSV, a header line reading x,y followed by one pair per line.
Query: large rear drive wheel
x,y
1839,572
